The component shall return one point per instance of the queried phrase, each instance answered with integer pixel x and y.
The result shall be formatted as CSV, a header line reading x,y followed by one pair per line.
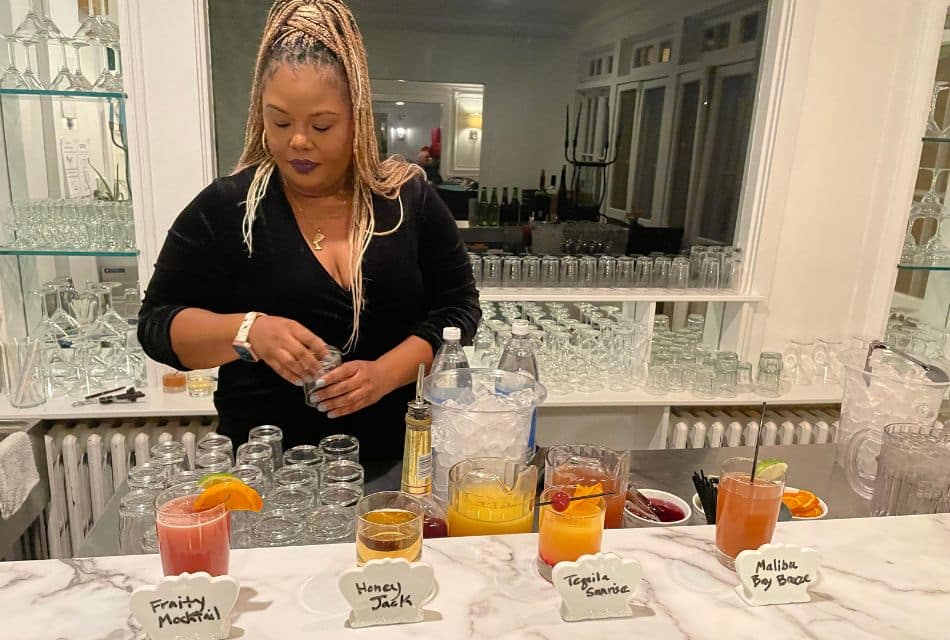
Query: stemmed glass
x,y
30,32
54,342
933,251
61,317
64,80
79,78
12,78
108,36
108,312
933,128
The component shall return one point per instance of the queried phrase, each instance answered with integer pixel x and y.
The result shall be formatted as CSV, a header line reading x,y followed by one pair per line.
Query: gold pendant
x,y
318,237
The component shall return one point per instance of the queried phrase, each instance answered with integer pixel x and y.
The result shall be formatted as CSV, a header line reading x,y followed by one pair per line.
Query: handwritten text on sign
x,y
192,605
387,591
776,574
596,586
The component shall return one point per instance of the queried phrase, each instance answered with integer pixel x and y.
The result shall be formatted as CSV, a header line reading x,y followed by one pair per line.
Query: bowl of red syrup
x,y
671,509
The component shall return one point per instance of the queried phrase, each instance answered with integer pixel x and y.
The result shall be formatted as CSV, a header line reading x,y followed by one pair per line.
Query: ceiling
x,y
541,18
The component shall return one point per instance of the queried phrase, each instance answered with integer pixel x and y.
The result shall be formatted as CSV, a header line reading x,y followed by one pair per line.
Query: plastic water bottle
x,y
450,354
518,357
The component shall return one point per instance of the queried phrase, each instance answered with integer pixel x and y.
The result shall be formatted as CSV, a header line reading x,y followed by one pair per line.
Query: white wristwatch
x,y
240,344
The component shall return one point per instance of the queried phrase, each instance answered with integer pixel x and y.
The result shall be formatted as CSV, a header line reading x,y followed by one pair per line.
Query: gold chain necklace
x,y
318,235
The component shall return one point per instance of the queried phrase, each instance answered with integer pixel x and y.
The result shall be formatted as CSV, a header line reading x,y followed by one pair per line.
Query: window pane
x,y
621,171
683,152
647,152
749,27
727,159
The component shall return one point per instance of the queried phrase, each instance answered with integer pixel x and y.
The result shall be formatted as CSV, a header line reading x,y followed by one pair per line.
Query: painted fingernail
x,y
319,384
332,414
322,408
298,382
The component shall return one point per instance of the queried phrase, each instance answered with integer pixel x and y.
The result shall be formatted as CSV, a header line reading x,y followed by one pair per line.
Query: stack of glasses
x,y
82,344
309,492
707,268
680,361
910,334
579,347
39,30
80,224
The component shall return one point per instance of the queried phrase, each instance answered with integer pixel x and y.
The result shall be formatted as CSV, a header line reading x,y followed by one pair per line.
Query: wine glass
x,y
79,78
30,32
933,251
61,317
12,78
933,127
64,80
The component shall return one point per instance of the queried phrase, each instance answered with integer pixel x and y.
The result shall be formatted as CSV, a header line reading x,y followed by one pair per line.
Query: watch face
x,y
244,353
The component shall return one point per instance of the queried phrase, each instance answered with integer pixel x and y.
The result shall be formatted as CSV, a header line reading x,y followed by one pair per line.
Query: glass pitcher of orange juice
x,y
490,496
587,465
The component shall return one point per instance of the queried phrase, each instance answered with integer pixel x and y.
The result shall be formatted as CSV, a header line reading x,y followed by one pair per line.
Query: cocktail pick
x,y
755,454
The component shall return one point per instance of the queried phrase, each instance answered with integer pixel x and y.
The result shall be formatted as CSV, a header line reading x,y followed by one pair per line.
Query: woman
x,y
312,241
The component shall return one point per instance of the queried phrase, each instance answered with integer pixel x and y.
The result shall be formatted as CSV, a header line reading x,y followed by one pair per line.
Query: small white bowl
x,y
821,503
631,520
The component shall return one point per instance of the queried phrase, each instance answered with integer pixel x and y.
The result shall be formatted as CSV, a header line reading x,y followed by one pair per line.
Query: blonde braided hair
x,y
324,33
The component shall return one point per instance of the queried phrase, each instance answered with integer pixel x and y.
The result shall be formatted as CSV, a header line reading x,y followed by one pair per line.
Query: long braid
x,y
324,32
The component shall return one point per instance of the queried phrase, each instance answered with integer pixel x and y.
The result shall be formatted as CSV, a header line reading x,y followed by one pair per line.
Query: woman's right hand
x,y
288,347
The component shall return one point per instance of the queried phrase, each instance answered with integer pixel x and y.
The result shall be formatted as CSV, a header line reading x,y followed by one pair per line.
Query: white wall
x,y
834,242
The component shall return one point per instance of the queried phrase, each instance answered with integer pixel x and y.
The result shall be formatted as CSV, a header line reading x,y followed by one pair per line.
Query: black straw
x,y
755,454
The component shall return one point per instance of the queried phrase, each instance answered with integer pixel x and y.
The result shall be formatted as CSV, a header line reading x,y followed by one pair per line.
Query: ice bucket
x,y
479,413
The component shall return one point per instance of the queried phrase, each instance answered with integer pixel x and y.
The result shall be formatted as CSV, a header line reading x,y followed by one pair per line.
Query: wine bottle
x,y
541,200
481,213
563,202
515,205
552,210
493,208
504,211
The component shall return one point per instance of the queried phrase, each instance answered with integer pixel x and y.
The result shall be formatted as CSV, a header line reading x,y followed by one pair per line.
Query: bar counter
x,y
880,578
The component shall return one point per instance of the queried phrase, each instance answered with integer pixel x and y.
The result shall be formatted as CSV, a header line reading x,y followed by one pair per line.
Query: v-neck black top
x,y
416,281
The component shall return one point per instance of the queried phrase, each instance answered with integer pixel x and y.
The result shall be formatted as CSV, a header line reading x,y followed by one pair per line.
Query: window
x,y
716,36
648,149
684,141
624,144
666,50
726,157
749,28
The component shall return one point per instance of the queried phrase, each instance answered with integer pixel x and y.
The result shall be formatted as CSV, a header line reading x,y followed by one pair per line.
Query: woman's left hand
x,y
350,387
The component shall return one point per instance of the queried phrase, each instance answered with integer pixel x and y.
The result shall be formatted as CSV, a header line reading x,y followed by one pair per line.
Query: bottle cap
x,y
519,328
451,333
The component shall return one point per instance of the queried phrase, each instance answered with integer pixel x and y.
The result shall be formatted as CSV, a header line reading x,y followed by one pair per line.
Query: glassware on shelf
x,y
936,129
79,77
12,78
200,383
29,33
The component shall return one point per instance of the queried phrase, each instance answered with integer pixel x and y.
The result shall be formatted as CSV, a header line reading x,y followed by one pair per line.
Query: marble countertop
x,y
881,578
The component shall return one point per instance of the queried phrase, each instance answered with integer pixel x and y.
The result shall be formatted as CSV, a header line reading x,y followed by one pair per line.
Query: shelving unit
x,y
518,294
12,251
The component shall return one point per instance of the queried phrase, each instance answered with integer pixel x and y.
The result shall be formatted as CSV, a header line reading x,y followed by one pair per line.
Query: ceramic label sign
x,y
387,591
596,586
776,574
192,606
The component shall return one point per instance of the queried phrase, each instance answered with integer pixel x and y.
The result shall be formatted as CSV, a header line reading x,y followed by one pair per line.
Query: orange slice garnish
x,y
581,508
233,494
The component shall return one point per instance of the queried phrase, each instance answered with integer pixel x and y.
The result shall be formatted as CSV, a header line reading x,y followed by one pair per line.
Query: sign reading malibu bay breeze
x,y
776,574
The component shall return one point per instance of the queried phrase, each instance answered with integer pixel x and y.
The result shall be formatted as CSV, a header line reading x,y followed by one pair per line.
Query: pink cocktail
x,y
190,540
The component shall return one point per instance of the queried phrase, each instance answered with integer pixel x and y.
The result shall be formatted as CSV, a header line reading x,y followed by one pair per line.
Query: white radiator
x,y
87,460
695,428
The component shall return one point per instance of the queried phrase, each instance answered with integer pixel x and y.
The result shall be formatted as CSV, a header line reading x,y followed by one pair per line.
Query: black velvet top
x,y
416,281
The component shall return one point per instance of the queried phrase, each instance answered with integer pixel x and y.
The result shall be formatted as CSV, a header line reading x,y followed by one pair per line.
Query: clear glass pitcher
x,y
896,389
479,413
587,464
491,496
913,469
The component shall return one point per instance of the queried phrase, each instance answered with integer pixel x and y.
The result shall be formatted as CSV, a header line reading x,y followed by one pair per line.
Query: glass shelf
x,y
39,93
12,251
924,267
935,139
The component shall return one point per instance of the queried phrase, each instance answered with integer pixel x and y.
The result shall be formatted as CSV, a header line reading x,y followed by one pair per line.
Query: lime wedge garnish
x,y
214,478
770,470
